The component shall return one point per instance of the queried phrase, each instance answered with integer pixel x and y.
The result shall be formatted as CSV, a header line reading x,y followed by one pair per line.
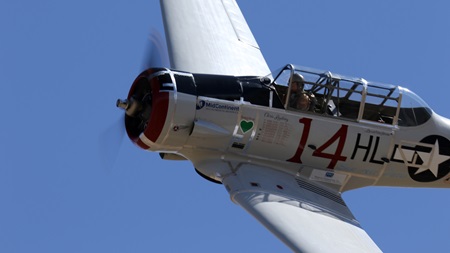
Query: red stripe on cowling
x,y
141,144
134,137
160,107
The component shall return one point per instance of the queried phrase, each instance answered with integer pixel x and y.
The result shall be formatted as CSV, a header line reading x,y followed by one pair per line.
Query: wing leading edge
x,y
306,217
211,36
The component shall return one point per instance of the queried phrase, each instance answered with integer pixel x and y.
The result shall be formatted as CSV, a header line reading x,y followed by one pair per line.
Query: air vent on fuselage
x,y
320,191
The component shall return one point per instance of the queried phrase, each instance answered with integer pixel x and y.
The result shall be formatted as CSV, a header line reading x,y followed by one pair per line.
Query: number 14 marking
x,y
340,136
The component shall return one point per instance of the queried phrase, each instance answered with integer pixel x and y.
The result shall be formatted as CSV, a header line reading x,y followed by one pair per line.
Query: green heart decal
x,y
246,125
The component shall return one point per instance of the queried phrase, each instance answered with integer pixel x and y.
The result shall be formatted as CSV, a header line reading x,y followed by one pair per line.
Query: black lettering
x,y
358,146
393,155
372,158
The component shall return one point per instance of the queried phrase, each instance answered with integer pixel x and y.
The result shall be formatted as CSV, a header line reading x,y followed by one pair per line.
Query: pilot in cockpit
x,y
299,98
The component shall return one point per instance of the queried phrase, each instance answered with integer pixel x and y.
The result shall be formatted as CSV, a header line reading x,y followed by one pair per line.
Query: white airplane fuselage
x,y
205,126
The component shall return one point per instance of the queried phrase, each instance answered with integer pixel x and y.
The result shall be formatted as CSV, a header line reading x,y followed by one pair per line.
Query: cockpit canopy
x,y
326,93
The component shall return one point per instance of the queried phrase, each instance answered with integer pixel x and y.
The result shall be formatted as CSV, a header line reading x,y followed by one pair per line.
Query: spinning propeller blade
x,y
156,52
111,139
110,142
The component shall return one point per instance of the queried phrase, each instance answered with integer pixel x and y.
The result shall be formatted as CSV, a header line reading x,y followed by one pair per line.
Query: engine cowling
x,y
158,118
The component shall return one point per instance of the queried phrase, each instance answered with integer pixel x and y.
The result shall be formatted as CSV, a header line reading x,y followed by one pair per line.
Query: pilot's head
x,y
297,82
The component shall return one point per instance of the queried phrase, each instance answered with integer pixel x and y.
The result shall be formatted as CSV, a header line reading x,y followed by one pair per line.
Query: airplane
x,y
284,144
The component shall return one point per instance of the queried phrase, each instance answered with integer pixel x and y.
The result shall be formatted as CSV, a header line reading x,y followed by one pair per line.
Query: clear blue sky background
x,y
64,63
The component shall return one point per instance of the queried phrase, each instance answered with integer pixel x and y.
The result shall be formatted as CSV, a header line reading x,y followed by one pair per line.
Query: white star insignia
x,y
436,159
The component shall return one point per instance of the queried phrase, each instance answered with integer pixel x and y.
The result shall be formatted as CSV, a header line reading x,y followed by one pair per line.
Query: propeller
x,y
156,54
110,140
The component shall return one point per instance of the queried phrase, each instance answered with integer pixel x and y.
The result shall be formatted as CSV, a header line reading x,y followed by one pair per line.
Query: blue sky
x,y
64,63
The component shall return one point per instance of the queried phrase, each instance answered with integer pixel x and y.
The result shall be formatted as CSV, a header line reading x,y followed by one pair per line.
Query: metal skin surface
x,y
216,35
299,143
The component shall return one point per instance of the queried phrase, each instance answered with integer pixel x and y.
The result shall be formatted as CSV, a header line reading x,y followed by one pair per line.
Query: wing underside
x,y
307,217
211,36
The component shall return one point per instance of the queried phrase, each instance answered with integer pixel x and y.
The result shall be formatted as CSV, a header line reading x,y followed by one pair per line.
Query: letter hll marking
x,y
359,146
368,148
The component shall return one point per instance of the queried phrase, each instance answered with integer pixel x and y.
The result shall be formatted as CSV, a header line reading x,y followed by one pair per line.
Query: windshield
x,y
413,111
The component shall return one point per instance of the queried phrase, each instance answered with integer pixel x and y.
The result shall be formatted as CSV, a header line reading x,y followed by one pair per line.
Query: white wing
x,y
307,217
211,36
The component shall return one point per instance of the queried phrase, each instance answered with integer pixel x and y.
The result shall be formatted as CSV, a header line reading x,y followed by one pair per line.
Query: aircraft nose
x,y
442,125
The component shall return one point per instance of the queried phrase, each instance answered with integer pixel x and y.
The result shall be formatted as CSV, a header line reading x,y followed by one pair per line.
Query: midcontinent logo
x,y
200,104
216,106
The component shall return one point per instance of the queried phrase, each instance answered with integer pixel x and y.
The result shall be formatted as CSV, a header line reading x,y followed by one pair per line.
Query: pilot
x,y
303,102
299,98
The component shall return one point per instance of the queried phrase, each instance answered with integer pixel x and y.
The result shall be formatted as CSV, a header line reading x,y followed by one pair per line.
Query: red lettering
x,y
301,146
340,135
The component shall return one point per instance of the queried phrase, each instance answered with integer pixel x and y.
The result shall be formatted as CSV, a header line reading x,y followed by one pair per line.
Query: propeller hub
x,y
132,107
122,103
